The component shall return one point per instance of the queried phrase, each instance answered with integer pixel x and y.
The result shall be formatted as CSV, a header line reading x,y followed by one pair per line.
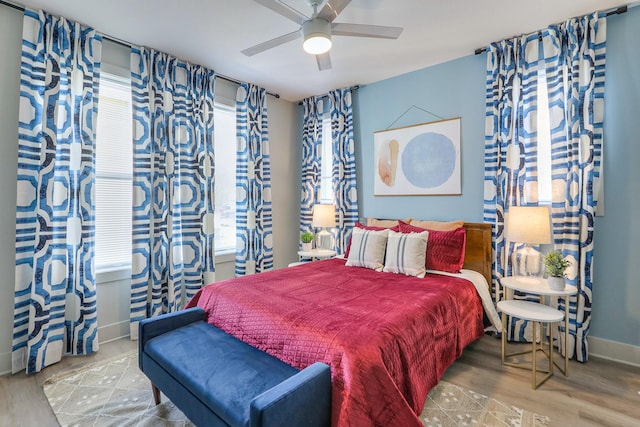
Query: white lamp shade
x,y
529,224
324,216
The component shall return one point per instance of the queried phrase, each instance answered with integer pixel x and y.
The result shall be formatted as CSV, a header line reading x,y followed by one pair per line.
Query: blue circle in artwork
x,y
429,160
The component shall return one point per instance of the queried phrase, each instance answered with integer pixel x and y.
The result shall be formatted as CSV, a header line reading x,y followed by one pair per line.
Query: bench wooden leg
x,y
156,394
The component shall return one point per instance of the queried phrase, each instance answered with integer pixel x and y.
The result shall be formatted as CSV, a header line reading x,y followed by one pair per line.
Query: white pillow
x,y
367,248
406,253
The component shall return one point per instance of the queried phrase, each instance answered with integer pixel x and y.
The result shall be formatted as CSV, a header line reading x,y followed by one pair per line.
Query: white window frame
x,y
545,181
113,272
227,105
326,162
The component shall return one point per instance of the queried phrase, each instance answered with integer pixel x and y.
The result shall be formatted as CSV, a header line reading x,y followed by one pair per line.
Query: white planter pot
x,y
306,246
556,283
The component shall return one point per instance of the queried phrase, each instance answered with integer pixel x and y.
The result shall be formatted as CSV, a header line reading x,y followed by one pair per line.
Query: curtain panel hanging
x,y
344,166
311,157
510,140
173,183
55,291
572,56
254,221
575,69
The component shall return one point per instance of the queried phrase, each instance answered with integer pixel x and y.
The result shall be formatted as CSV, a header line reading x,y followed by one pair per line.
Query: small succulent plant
x,y
307,237
556,264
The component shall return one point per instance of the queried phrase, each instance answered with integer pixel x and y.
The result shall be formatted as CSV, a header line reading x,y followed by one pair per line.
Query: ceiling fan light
x,y
317,44
317,36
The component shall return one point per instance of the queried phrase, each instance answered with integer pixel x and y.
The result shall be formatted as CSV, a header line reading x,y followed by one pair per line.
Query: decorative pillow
x,y
437,225
445,251
386,223
368,227
367,248
406,253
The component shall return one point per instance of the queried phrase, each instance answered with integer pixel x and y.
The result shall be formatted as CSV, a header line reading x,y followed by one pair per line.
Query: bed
x,y
387,337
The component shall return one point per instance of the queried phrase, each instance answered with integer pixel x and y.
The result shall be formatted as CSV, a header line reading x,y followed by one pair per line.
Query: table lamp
x,y
528,224
324,216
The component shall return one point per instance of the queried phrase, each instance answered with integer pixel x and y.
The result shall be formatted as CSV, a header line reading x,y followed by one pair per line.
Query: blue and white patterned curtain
x,y
55,290
254,221
311,158
173,183
573,57
575,68
510,140
344,166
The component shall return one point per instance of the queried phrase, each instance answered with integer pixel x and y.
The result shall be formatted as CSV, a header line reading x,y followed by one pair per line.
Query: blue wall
x,y
616,311
456,89
453,89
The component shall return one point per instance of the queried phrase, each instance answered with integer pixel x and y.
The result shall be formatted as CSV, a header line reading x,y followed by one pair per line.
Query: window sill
x,y
123,273
225,256
113,275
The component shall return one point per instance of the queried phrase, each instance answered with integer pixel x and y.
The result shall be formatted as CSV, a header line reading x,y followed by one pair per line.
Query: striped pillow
x,y
406,253
369,227
367,248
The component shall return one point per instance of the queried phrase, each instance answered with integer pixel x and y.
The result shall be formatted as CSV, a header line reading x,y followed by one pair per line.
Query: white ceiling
x,y
213,32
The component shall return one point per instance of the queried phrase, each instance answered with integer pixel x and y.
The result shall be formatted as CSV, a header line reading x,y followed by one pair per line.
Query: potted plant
x,y
555,267
306,238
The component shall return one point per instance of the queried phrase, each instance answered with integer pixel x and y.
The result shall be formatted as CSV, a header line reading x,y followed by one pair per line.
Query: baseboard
x,y
615,351
106,333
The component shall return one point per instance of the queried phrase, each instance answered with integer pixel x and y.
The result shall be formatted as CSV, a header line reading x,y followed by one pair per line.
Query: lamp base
x,y
527,261
324,240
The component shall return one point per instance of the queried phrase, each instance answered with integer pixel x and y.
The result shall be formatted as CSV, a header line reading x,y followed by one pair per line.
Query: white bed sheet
x,y
482,287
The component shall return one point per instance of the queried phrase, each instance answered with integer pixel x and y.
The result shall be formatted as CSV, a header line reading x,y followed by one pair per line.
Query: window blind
x,y
114,172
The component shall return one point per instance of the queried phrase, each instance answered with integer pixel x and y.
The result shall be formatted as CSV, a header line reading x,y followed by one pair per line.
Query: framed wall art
x,y
421,159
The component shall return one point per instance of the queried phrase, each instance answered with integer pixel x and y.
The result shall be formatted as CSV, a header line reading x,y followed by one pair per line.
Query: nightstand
x,y
538,314
539,286
316,254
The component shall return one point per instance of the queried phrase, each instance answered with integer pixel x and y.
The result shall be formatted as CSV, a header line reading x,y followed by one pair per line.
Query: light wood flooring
x,y
596,393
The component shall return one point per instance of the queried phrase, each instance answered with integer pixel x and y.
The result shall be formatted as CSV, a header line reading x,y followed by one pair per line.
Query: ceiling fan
x,y
317,30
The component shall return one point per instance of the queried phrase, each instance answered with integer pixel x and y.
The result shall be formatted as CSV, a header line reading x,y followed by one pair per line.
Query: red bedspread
x,y
387,337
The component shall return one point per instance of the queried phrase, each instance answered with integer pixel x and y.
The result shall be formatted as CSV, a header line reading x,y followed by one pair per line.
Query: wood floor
x,y
596,393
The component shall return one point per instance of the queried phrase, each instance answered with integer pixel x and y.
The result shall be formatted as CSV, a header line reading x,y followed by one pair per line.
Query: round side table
x,y
315,254
539,286
538,314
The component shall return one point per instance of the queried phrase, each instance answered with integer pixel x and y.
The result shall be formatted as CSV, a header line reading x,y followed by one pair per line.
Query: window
x,y
114,173
225,177
326,162
544,142
114,176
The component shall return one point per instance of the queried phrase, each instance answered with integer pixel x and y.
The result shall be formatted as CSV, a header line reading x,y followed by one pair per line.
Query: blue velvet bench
x,y
218,380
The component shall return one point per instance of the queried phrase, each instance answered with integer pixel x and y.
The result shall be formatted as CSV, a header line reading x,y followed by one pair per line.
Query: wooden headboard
x,y
478,251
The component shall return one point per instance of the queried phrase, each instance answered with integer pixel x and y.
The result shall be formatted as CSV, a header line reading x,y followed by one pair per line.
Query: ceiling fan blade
x,y
283,10
324,61
332,9
362,30
253,50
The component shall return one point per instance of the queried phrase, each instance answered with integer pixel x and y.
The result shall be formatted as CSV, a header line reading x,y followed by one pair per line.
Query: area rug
x,y
450,405
115,393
